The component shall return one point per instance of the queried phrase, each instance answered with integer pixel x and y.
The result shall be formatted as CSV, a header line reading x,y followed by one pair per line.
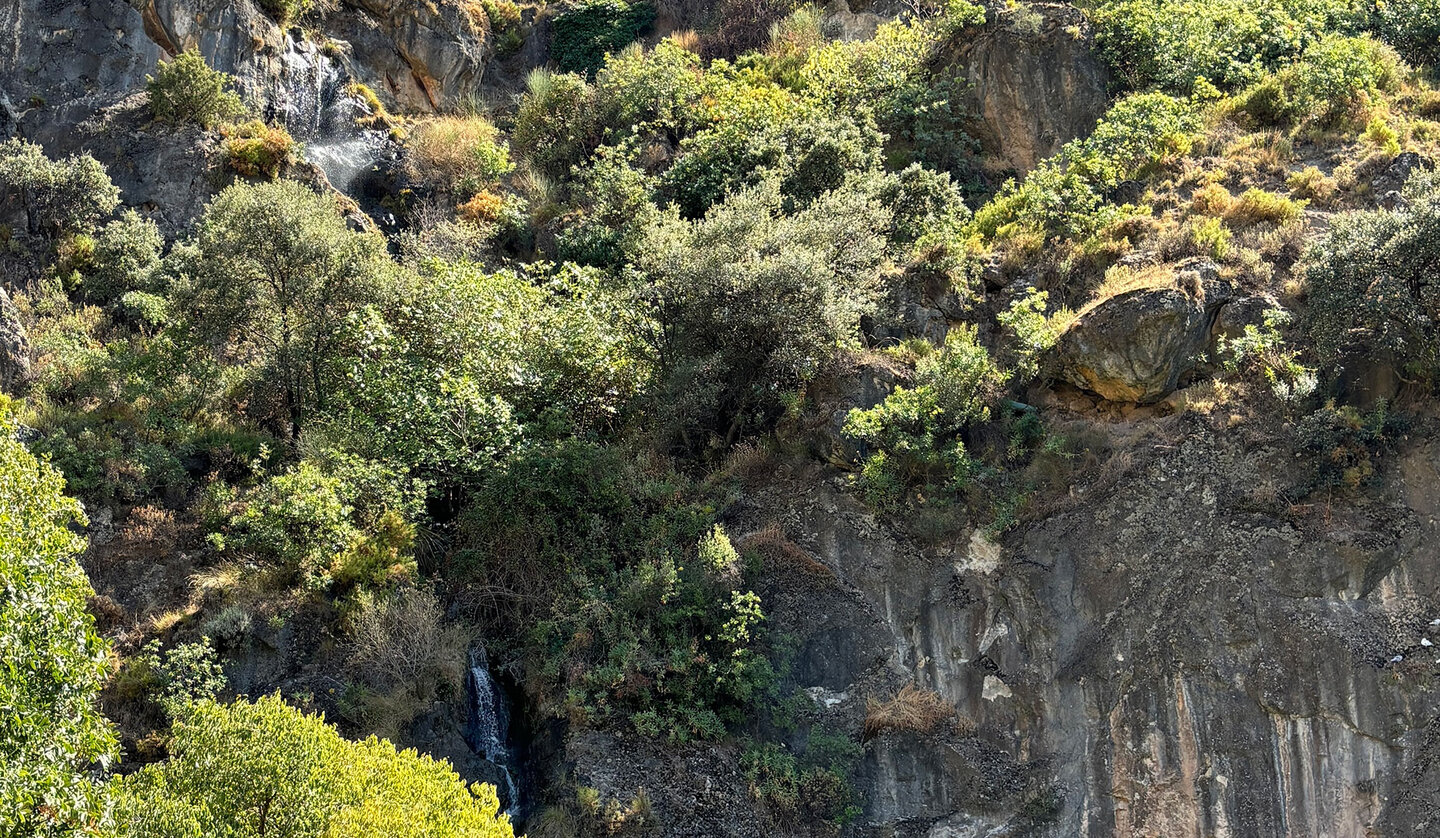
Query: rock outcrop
x,y
14,347
1035,83
444,45
1134,347
1169,652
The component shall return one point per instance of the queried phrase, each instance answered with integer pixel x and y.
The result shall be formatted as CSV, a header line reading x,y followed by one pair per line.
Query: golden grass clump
x,y
912,710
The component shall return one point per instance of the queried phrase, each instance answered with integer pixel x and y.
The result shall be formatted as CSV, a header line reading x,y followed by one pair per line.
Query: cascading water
x,y
488,728
319,110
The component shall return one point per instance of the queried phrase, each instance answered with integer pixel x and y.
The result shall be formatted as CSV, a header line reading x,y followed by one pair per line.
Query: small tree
x,y
266,770
57,196
752,303
186,89
273,275
54,662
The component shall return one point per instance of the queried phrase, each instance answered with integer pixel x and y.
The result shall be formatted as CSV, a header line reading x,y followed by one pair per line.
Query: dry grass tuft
x,y
912,710
780,552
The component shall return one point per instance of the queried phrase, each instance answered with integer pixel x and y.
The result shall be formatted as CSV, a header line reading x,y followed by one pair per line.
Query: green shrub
x,y
583,34
1367,288
913,437
794,285
305,520
1379,134
1064,197
505,26
649,92
1413,27
255,149
555,124
253,770
1230,43
181,675
624,594
127,255
185,89
285,12
55,662
1256,206
1261,350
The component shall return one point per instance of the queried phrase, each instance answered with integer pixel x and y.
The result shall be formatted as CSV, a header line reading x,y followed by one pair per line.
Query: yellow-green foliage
x,y
252,770
1212,199
255,149
1312,184
378,559
457,154
54,662
378,117
1208,237
505,26
1379,134
1257,206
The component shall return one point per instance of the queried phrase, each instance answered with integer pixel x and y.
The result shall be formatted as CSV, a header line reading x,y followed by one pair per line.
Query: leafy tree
x,y
584,34
752,303
273,275
186,89
1372,284
467,370
266,770
54,663
57,196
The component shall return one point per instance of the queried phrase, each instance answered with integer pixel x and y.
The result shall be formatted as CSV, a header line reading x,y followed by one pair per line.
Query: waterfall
x,y
318,109
488,730
344,160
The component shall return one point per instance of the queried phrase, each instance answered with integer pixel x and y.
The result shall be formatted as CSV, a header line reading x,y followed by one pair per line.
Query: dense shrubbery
x,y
752,303
1065,197
1371,291
1335,79
185,89
728,234
628,603
1232,43
54,661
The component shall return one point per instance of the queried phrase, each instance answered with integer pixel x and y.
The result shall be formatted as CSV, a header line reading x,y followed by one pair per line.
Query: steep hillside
x,y
720,419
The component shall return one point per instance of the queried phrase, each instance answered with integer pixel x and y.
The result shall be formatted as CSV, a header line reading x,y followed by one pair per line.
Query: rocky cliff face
x,y
71,79
1035,84
1173,651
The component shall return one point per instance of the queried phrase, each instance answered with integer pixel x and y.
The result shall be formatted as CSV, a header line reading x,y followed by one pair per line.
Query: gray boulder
x,y
1134,347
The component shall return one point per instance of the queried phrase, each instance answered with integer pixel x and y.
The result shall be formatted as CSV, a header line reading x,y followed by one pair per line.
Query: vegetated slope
x,y
991,421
